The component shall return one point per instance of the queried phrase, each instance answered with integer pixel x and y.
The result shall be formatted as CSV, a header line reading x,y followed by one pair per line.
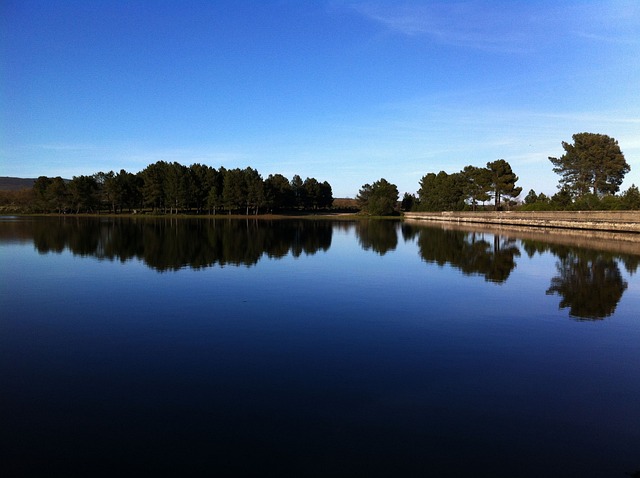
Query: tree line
x,y
444,192
592,170
173,188
467,188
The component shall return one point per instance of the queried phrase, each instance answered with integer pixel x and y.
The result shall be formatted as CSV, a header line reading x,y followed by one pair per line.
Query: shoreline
x,y
622,223
627,222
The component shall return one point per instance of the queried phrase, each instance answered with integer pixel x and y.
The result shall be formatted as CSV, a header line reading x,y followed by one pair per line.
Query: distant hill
x,y
15,184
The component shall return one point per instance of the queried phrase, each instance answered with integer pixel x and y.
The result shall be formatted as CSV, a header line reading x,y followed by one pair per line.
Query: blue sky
x,y
343,91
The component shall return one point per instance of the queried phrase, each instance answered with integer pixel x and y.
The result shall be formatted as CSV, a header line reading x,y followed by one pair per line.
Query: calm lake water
x,y
313,348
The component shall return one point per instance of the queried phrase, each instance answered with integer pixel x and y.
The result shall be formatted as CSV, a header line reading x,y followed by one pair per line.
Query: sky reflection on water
x,y
314,348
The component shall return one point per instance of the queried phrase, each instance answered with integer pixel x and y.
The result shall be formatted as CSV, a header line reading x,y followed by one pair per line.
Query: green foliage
x,y
177,186
538,206
83,193
537,202
463,190
119,191
297,186
379,198
173,188
202,179
531,197
50,194
592,168
216,186
326,195
586,202
254,190
503,181
153,184
409,201
311,193
477,184
593,163
40,188
562,201
442,192
631,198
307,194
234,190
316,195
278,192
611,203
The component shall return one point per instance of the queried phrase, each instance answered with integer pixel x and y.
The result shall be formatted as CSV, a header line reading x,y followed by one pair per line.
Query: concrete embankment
x,y
611,221
613,231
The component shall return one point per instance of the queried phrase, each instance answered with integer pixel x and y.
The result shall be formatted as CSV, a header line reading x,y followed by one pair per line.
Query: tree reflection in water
x,y
589,282
590,285
471,253
172,244
379,236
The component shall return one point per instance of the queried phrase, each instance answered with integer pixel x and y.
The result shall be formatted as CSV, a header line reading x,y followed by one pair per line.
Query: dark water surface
x,y
313,348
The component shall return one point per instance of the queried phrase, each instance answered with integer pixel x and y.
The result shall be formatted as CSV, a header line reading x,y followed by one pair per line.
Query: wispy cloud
x,y
508,27
591,117
467,24
613,38
65,147
614,22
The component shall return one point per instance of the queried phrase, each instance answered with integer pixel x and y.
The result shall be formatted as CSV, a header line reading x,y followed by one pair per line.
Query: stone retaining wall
x,y
616,221
620,221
